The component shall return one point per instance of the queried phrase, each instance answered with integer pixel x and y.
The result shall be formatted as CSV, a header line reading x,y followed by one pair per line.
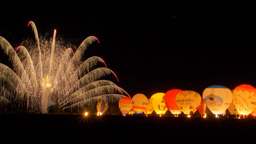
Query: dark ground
x,y
118,129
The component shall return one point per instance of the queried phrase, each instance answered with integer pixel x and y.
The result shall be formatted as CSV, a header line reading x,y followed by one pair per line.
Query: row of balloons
x,y
241,100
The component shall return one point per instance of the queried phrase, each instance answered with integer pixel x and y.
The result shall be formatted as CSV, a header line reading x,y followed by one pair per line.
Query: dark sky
x,y
153,46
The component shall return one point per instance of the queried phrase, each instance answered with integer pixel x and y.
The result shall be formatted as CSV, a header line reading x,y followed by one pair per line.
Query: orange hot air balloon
x,y
244,98
170,101
125,105
253,113
139,103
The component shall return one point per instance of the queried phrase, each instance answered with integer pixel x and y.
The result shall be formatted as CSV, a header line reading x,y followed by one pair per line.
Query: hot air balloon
x,y
139,103
149,109
232,109
125,105
102,107
158,103
217,98
170,101
244,97
202,108
253,113
188,101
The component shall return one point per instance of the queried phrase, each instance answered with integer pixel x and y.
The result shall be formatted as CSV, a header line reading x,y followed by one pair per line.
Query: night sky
x,y
154,46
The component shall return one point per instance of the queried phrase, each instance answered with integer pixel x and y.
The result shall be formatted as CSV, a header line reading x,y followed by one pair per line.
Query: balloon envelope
x,y
139,103
170,101
217,98
253,113
202,108
232,109
188,101
149,109
125,105
158,103
244,98
102,106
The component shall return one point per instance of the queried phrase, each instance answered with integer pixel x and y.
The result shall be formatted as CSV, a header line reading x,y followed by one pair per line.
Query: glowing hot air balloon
x,y
139,103
102,107
217,98
125,105
170,101
253,113
244,97
188,101
158,103
202,108
149,109
232,109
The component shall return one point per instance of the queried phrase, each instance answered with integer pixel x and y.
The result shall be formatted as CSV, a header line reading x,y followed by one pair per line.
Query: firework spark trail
x,y
47,81
122,90
64,59
75,61
91,93
3,93
103,61
91,90
31,70
14,59
9,85
87,87
33,25
88,78
9,76
67,78
115,76
71,50
52,52
83,69
101,90
59,81
99,97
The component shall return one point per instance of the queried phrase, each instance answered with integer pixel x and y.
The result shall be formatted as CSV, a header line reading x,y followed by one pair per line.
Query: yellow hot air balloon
x,y
158,103
217,98
139,103
125,105
244,98
102,107
188,101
